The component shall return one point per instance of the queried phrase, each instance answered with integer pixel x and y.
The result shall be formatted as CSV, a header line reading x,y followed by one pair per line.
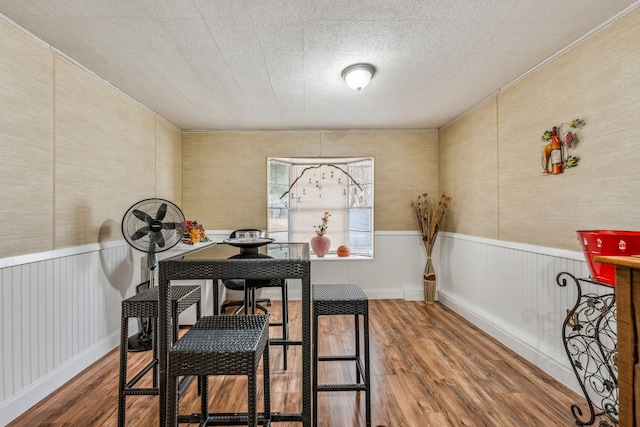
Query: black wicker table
x,y
221,261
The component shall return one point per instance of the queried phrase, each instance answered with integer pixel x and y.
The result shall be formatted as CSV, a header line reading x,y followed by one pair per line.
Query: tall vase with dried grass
x,y
430,215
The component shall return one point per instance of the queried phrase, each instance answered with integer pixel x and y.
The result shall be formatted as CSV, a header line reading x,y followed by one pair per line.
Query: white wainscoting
x,y
394,273
61,309
59,313
509,290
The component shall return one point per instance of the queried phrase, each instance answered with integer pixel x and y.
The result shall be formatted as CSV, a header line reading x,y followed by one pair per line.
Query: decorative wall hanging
x,y
315,182
556,154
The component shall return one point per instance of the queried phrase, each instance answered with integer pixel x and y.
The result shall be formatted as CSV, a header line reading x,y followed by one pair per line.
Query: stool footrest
x,y
140,374
336,358
141,392
280,341
223,419
184,384
341,387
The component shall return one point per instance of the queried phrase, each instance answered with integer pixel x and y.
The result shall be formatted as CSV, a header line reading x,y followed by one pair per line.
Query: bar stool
x,y
250,287
222,345
332,300
145,305
250,302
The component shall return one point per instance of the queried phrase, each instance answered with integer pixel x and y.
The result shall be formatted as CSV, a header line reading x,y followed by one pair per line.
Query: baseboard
x,y
561,373
413,295
26,398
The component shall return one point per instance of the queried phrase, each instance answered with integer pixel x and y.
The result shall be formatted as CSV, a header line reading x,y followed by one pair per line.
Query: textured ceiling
x,y
276,64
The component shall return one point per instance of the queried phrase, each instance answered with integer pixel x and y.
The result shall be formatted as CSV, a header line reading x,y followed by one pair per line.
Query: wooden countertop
x,y
625,261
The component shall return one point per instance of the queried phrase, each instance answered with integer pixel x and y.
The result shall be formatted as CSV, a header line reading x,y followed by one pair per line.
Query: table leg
x,y
164,342
306,351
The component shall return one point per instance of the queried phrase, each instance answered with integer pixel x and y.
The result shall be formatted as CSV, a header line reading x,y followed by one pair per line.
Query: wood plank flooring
x,y
429,367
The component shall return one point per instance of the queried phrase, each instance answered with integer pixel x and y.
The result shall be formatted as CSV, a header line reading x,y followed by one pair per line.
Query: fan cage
x,y
173,225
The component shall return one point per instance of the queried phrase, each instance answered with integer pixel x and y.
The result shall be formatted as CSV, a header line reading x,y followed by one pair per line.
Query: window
x,y
300,190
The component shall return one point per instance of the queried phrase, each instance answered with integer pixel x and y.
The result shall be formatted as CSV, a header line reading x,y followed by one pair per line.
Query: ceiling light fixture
x,y
358,76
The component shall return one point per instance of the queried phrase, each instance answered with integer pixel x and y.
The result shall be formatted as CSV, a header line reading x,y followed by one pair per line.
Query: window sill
x,y
336,258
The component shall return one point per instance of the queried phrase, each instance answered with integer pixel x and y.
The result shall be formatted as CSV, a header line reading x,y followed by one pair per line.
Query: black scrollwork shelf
x,y
589,337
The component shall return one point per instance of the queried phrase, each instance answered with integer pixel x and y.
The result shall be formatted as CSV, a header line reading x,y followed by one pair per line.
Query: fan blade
x,y
142,216
158,238
140,233
162,211
171,225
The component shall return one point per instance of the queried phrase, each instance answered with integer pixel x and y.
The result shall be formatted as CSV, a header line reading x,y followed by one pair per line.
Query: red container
x,y
607,243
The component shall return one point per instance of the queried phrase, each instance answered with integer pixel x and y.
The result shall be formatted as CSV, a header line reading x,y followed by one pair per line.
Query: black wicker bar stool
x,y
250,303
221,345
145,305
332,300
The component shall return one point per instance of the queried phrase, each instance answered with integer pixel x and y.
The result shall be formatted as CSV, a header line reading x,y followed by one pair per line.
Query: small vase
x,y
320,244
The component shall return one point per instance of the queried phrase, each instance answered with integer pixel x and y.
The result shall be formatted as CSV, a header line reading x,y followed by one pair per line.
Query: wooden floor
x,y
429,367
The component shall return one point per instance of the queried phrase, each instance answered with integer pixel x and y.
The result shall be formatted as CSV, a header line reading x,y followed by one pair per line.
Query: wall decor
x,y
316,182
430,215
556,153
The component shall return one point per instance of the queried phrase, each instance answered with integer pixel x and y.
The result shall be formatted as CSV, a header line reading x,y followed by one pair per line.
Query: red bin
x,y
607,243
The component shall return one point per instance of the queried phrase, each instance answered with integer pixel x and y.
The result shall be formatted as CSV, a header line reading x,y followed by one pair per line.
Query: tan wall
x,y
26,144
76,153
226,172
168,161
469,172
598,81
105,156
224,179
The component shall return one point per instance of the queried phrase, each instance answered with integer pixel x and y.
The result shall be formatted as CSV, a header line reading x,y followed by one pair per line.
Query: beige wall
x,y
225,173
469,172
168,161
75,152
500,192
26,145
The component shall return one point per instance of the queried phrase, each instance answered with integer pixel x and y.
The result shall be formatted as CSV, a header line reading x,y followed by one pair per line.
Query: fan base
x,y
140,342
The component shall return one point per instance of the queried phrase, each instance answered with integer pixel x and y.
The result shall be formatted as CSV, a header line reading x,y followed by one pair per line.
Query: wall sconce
x,y
357,76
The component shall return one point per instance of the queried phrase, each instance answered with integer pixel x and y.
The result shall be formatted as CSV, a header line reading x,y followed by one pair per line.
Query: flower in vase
x,y
322,228
194,233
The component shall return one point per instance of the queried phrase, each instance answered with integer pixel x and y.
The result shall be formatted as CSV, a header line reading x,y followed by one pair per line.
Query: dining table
x,y
262,260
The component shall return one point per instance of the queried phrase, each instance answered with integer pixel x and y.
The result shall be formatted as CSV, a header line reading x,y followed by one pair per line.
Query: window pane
x,y
278,220
360,198
360,230
360,219
280,237
275,193
277,185
360,242
360,195
279,173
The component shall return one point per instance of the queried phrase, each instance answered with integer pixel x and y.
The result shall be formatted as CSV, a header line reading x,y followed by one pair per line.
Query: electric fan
x,y
151,225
